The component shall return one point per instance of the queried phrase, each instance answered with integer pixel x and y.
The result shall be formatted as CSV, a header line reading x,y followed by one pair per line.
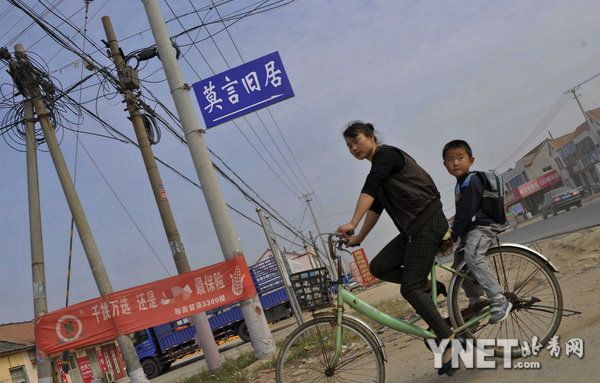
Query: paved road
x,y
575,219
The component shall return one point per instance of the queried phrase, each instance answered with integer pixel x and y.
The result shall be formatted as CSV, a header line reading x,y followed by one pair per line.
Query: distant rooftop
x,y
21,333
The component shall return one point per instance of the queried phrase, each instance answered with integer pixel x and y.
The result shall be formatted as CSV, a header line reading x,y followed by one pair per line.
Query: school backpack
x,y
492,200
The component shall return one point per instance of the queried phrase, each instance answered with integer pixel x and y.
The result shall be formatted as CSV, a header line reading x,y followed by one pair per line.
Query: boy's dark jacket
x,y
468,194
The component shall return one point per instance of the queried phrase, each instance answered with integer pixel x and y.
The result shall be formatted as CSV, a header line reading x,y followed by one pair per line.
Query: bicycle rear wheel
x,y
529,284
307,351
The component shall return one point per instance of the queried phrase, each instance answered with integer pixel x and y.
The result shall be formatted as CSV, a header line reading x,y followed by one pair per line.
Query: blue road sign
x,y
243,89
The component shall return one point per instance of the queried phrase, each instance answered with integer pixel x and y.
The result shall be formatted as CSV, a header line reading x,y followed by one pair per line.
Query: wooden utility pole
x,y
32,88
204,335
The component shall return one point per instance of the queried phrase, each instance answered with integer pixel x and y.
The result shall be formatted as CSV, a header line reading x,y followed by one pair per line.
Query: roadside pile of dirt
x,y
573,253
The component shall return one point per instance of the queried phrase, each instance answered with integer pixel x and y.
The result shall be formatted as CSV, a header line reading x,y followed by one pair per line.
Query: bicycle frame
x,y
346,297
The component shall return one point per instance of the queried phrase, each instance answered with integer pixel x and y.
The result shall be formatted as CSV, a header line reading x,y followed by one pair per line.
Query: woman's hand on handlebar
x,y
346,230
352,241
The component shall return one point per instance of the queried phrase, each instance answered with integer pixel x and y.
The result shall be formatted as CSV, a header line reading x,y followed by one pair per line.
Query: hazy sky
x,y
423,72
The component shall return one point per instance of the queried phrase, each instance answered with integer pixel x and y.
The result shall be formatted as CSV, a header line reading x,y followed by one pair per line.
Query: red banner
x,y
64,378
103,319
511,197
101,361
84,367
545,180
362,264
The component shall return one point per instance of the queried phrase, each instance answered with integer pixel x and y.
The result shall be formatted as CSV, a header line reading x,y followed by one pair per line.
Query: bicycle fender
x,y
529,250
359,321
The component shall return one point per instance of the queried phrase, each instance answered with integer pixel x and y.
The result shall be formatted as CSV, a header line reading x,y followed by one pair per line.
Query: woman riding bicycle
x,y
398,185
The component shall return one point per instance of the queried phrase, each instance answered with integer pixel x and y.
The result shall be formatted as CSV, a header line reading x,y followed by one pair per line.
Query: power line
x,y
68,44
291,189
540,127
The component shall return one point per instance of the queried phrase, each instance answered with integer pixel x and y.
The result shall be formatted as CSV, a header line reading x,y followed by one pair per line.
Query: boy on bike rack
x,y
476,226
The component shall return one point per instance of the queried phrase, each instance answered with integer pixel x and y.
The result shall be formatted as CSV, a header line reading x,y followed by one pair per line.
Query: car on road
x,y
562,198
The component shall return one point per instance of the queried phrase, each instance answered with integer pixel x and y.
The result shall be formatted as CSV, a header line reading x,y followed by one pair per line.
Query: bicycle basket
x,y
311,288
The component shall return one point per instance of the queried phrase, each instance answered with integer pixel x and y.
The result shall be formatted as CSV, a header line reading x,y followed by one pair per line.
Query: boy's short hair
x,y
457,144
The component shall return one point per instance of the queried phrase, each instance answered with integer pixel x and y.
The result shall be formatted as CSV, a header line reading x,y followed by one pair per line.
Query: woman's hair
x,y
357,127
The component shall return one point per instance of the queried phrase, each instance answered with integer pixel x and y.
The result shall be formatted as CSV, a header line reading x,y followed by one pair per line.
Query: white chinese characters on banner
x,y
250,82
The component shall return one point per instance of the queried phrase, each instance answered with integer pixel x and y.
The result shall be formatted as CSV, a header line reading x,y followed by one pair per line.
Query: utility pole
x,y
85,234
585,115
283,270
310,252
260,334
591,123
314,217
204,335
325,246
40,305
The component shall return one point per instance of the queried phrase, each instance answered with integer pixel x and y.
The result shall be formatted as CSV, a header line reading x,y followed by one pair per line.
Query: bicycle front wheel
x,y
307,352
529,285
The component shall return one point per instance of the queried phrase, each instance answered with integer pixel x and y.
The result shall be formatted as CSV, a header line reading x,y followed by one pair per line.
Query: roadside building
x,y
537,172
296,262
572,159
582,153
17,353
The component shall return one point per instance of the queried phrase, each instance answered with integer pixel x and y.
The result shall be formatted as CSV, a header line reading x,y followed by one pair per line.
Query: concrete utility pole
x,y
585,115
283,268
204,335
40,305
332,272
329,264
260,334
591,123
85,234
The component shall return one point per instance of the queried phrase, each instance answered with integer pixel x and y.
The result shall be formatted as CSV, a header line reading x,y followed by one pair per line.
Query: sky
x,y
423,72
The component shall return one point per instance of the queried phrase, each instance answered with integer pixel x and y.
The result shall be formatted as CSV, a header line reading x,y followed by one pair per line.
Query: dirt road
x,y
576,255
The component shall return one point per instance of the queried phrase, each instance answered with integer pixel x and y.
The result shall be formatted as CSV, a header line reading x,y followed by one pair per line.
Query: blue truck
x,y
159,346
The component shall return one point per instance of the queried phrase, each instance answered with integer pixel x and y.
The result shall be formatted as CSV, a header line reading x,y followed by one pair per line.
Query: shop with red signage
x,y
528,196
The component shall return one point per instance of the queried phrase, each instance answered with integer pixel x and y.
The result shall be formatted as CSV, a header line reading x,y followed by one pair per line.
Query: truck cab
x,y
158,347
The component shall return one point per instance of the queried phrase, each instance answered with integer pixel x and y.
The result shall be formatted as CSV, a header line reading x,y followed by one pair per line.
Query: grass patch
x,y
241,369
233,370
396,307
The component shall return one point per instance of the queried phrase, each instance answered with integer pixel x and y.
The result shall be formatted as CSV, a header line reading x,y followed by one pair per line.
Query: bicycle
x,y
335,346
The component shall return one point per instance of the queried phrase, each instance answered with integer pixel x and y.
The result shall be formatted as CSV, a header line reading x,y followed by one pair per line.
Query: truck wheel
x,y
579,204
151,368
242,331
166,366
